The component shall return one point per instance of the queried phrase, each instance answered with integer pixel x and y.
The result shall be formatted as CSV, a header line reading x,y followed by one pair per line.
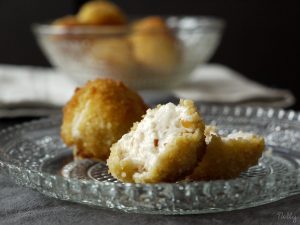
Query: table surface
x,y
20,205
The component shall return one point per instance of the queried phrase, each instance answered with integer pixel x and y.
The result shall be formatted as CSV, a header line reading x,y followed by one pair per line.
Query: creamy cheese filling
x,y
159,127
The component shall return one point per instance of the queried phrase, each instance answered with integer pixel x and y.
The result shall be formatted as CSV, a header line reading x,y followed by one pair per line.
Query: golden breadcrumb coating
x,y
227,157
154,46
101,13
164,147
97,115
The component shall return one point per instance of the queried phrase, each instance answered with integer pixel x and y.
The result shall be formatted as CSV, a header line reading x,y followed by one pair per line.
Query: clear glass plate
x,y
33,155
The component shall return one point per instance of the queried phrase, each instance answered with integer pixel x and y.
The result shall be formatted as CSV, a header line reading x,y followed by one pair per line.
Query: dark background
x,y
261,38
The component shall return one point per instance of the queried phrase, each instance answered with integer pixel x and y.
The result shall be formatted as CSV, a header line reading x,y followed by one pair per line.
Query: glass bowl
x,y
154,62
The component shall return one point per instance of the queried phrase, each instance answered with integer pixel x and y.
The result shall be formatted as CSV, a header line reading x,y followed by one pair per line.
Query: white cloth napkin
x,y
220,84
25,86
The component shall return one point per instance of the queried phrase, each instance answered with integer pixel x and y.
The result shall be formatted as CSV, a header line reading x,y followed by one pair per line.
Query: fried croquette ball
x,y
97,115
100,12
164,147
154,46
227,157
115,54
67,21
158,53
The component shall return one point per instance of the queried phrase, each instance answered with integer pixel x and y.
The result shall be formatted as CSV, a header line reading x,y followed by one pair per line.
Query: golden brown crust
x,y
227,159
111,110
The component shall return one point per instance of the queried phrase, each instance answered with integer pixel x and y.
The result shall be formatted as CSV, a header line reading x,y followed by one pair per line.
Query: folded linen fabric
x,y
27,87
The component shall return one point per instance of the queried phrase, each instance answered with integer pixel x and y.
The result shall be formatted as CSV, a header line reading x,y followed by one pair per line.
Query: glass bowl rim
x,y
204,24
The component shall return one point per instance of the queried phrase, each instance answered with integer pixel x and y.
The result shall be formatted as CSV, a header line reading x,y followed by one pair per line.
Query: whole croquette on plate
x,y
99,114
226,157
164,147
